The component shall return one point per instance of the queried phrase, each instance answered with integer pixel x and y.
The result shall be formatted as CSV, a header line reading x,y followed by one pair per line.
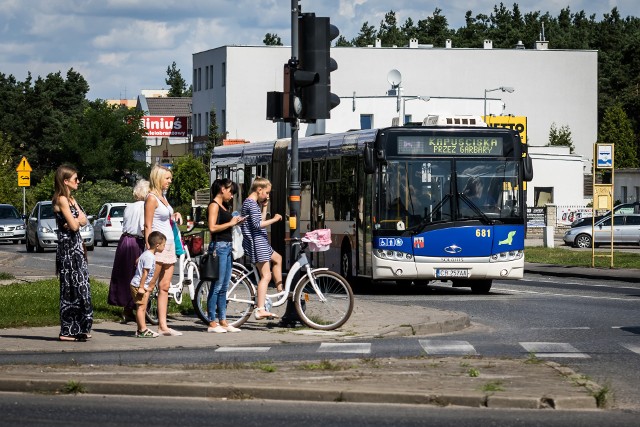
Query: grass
x,y
6,276
473,372
73,387
38,304
323,365
493,386
580,258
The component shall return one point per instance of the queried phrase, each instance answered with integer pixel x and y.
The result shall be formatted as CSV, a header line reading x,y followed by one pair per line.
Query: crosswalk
x,y
443,347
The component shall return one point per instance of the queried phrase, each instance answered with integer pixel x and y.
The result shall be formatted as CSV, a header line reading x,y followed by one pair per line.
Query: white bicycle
x,y
323,299
188,275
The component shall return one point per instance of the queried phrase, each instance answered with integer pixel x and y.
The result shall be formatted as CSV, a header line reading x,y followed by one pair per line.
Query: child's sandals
x,y
264,315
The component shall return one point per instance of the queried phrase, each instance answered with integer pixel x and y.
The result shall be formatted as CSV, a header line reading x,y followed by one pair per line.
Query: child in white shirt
x,y
144,280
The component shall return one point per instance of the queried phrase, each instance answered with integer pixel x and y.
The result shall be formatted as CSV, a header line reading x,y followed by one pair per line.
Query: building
x,y
167,122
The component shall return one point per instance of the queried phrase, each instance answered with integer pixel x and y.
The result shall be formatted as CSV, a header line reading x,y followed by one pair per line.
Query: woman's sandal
x,y
73,338
266,314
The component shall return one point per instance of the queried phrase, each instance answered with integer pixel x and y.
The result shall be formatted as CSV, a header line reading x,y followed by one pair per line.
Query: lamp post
x,y
410,98
502,88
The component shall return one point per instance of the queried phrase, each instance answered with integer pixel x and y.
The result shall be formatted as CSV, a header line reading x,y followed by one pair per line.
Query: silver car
x,y
626,230
108,226
42,229
11,224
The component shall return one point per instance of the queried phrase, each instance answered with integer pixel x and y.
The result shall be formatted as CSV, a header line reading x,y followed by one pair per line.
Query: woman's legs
x,y
226,265
165,273
264,268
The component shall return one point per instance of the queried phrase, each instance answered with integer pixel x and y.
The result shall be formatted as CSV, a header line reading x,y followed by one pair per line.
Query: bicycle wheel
x,y
152,307
328,307
241,298
200,300
192,278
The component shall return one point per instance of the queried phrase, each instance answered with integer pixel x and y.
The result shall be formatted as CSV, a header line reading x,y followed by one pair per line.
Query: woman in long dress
x,y
130,247
76,311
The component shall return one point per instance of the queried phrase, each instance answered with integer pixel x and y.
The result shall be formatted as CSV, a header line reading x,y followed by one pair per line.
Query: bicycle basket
x,y
195,244
319,240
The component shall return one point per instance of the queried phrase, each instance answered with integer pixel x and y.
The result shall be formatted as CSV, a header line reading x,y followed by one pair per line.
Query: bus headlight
x,y
507,256
393,255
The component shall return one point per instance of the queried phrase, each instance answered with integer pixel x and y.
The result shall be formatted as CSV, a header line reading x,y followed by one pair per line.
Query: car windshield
x,y
8,212
46,211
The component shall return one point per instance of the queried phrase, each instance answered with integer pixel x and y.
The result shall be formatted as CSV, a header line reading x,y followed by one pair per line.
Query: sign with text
x,y
518,123
605,156
450,145
165,126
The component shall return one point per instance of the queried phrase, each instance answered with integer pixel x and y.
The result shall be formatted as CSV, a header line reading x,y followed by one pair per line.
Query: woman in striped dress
x,y
255,241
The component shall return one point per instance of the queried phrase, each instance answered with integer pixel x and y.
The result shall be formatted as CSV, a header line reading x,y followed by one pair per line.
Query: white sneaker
x,y
217,329
230,328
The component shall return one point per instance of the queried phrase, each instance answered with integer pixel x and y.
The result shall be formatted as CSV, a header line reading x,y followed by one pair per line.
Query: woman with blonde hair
x,y
130,247
76,311
158,215
256,243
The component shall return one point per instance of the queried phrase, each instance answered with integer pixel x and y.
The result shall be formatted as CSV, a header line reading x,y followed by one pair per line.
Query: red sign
x,y
166,126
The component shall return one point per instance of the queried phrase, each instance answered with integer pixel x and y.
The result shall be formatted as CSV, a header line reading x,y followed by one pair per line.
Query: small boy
x,y
144,280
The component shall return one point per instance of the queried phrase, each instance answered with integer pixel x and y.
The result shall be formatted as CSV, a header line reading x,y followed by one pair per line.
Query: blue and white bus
x,y
413,203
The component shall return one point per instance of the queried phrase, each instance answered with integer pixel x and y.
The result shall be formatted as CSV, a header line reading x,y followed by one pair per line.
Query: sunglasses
x,y
76,179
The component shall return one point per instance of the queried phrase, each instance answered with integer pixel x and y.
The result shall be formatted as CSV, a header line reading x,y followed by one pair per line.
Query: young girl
x,y
76,311
220,223
256,244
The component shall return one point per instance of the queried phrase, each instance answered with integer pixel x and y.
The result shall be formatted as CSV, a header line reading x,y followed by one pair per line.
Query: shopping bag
x,y
209,267
236,245
177,238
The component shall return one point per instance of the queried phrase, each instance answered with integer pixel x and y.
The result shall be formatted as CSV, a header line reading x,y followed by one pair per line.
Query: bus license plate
x,y
452,272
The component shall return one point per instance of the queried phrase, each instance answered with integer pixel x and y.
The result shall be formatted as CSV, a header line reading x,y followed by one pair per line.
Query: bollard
x,y
548,236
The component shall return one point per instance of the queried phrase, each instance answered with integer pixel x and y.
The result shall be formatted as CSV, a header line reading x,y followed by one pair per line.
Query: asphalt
x,y
472,381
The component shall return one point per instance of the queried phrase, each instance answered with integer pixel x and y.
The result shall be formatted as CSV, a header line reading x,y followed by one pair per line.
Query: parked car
x,y
625,208
42,229
12,226
108,226
626,230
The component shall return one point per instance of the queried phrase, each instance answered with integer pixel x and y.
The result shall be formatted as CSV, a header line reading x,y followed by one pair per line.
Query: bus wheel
x,y
481,286
345,261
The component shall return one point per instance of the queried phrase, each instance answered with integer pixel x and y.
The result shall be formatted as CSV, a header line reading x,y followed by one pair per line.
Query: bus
x,y
406,204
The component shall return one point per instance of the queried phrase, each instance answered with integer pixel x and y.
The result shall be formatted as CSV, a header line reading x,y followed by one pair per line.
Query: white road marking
x,y
633,347
359,348
447,347
563,329
243,349
522,291
553,349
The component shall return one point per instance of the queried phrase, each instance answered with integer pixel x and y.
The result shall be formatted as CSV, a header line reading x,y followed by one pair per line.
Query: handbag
x,y
236,243
177,239
209,266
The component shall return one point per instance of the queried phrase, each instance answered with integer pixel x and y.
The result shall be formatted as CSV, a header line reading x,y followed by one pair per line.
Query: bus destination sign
x,y
450,145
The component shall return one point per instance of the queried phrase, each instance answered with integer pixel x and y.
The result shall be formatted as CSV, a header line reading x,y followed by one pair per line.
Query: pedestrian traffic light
x,y
314,43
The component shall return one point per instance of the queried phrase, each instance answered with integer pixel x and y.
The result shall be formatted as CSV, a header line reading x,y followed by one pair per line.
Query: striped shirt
x,y
255,241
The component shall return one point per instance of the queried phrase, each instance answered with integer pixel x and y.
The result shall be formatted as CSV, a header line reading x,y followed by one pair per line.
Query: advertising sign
x,y
518,123
605,156
165,126
536,217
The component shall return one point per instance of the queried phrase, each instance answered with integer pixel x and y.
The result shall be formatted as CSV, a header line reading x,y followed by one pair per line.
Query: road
x,y
101,411
590,326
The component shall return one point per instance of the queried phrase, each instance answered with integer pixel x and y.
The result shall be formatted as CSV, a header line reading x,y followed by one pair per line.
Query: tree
x,y
366,36
341,41
389,33
433,30
214,138
272,40
616,129
560,137
177,85
189,175
9,190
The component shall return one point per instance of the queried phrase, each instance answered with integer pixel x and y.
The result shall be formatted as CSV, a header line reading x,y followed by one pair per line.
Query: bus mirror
x,y
369,163
527,164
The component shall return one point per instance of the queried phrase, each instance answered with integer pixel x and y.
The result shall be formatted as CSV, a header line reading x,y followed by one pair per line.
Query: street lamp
x,y
410,98
502,88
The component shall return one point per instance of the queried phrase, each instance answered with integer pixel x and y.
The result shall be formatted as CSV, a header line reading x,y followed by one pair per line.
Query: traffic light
x,y
314,43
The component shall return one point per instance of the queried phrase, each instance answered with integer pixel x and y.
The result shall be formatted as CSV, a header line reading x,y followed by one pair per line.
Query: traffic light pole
x,y
290,314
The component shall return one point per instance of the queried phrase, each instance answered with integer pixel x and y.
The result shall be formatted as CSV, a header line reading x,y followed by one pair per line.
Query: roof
x,y
164,106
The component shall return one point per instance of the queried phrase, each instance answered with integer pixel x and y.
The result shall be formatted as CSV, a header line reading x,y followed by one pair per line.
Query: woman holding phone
x,y
255,241
221,221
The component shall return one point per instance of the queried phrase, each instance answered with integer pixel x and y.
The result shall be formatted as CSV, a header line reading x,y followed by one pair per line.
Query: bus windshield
x,y
418,192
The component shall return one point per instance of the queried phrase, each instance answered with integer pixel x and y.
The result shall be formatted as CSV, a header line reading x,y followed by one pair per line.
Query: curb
x,y
231,392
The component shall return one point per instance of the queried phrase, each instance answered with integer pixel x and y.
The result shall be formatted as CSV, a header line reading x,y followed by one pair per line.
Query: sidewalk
x,y
464,381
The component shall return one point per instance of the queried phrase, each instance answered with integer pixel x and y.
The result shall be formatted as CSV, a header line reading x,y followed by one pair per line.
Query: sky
x,y
124,46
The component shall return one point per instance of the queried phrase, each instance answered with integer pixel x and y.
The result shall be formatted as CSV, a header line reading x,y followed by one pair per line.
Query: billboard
x,y
165,126
518,123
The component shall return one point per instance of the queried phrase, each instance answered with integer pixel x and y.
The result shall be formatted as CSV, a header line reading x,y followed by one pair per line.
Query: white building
x,y
550,86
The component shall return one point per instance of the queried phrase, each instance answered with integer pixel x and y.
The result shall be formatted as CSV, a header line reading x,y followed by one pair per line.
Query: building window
x,y
199,78
224,74
637,191
195,79
223,125
542,196
366,121
407,118
206,77
211,77
624,194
